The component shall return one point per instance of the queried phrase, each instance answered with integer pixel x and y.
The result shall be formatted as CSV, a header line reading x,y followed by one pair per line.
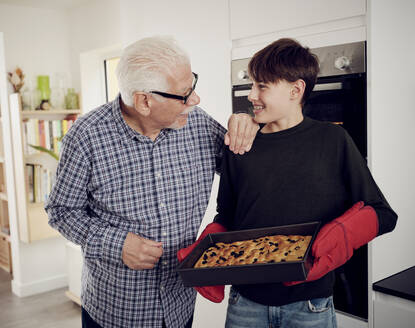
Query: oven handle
x,y
328,86
242,93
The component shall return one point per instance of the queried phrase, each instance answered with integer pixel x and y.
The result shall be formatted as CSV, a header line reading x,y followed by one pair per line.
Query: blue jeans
x,y
315,313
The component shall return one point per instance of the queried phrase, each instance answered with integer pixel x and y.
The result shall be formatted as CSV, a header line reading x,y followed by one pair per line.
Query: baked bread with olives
x,y
268,249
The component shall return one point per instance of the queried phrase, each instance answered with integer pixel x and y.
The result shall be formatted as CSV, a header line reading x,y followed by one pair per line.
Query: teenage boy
x,y
298,170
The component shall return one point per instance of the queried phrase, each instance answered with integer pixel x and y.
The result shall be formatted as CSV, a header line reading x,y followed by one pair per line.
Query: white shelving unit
x,y
7,200
31,217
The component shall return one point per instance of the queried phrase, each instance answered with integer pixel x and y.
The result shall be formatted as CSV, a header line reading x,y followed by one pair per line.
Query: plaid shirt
x,y
110,181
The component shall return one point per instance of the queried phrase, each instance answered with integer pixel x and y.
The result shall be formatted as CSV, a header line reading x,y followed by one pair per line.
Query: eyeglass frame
x,y
173,96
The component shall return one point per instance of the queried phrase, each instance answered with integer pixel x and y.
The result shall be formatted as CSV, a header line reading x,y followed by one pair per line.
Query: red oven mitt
x,y
212,293
337,240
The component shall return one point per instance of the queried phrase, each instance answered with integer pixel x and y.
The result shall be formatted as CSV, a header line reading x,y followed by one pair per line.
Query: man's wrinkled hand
x,y
139,253
241,133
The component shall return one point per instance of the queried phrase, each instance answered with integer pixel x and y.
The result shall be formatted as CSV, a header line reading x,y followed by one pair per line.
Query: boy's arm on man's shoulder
x,y
241,133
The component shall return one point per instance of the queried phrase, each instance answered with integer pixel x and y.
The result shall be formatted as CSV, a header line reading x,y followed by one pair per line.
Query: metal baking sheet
x,y
248,273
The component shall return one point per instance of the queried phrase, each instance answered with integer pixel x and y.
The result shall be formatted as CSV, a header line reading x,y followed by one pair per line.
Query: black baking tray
x,y
248,273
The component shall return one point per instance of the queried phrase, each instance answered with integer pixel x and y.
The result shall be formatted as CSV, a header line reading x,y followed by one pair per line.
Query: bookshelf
x,y
49,114
31,216
7,203
5,248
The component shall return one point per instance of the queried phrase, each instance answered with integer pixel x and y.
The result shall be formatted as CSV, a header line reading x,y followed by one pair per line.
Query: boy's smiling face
x,y
273,101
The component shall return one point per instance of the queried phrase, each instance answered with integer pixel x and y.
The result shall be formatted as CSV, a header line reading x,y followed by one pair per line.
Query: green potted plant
x,y
45,150
46,160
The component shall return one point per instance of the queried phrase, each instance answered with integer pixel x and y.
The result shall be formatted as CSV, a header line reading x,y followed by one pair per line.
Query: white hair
x,y
145,65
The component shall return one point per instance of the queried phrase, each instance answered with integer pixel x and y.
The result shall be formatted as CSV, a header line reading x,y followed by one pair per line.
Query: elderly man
x,y
133,184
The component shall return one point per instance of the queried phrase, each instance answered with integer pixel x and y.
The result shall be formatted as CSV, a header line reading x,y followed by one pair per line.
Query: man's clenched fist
x,y
139,253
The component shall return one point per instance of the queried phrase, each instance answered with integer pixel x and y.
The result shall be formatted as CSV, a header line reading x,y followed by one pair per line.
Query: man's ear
x,y
142,103
297,90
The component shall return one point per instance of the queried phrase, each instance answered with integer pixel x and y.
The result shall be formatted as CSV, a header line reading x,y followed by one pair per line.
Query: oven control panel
x,y
341,59
240,72
335,60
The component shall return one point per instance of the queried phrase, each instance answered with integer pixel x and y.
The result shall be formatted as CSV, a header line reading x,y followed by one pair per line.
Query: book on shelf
x,y
45,133
30,181
39,182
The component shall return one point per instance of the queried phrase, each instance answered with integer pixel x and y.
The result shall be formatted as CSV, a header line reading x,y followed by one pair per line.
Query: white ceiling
x,y
49,4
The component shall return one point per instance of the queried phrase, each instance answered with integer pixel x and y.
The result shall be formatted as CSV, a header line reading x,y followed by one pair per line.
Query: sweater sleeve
x,y
217,135
362,186
226,201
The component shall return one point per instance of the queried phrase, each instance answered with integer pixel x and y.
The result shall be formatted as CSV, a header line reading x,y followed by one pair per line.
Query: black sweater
x,y
310,172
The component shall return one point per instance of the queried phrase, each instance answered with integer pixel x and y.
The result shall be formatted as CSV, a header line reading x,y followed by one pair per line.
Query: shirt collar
x,y
125,130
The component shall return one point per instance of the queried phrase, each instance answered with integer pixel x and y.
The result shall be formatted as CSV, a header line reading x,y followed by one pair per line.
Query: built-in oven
x,y
339,96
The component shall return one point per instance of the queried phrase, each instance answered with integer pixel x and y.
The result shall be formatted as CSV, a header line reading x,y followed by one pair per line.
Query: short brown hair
x,y
285,59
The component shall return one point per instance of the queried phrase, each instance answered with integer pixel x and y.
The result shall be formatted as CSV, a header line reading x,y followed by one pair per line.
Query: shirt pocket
x,y
182,187
123,198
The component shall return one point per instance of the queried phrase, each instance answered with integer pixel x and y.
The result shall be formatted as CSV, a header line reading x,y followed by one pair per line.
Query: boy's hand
x,y
241,133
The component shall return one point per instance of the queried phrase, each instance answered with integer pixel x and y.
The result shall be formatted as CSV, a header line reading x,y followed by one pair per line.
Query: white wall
x,y
391,117
37,41
94,25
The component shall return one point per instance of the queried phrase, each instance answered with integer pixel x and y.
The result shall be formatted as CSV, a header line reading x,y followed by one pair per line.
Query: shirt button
x,y
164,234
164,262
158,175
162,205
162,288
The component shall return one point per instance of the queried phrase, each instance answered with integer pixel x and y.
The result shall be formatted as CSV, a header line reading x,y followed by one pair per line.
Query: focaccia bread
x,y
268,249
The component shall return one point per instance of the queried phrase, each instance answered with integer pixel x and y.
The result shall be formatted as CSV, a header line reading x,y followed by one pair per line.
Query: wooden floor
x,y
48,310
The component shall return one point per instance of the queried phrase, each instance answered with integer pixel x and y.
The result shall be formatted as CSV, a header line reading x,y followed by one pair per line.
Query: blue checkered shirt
x,y
110,181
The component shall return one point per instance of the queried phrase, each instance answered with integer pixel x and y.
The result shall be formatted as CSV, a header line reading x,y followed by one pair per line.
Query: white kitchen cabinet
x,y
392,155
251,18
74,269
391,311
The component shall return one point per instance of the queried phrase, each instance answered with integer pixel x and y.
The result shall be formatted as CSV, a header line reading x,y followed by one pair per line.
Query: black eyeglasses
x,y
183,98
